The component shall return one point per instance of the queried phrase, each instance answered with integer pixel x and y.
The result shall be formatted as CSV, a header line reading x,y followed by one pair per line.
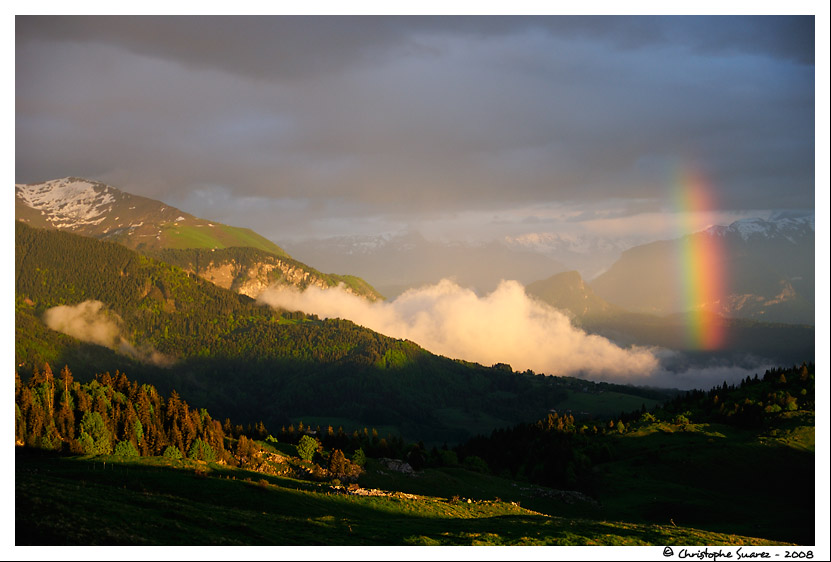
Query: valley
x,y
341,286
480,454
654,477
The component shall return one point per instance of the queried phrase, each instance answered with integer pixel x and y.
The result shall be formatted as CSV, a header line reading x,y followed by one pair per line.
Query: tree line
x,y
559,452
112,415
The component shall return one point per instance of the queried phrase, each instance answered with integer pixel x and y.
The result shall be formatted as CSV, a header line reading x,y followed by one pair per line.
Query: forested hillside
x,y
247,361
111,415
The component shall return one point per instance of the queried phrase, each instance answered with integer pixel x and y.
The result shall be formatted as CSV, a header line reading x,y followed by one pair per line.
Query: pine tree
x,y
338,464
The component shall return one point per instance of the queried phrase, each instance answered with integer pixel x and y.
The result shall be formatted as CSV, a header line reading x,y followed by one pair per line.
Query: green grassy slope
x,y
77,501
716,477
736,458
179,236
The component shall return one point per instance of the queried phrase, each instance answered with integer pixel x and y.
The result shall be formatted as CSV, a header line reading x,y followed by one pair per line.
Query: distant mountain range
x,y
587,254
768,267
399,262
766,311
769,264
743,338
418,261
231,257
768,270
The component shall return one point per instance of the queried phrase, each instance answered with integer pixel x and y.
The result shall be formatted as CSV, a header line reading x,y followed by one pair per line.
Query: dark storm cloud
x,y
369,115
266,47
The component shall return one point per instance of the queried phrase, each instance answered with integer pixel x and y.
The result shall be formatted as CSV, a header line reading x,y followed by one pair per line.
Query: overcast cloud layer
x,y
313,126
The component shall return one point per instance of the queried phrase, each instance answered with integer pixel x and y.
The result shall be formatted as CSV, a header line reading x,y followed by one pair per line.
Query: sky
x,y
462,128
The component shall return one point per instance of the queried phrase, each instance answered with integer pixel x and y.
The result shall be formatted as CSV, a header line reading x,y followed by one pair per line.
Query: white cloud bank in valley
x,y
505,326
91,322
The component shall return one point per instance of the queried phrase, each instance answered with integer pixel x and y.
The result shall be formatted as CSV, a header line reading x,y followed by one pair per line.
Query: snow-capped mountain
x,y
95,209
767,266
231,257
545,242
69,203
791,228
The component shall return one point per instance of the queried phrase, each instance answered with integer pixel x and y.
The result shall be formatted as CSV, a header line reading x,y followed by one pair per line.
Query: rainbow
x,y
701,263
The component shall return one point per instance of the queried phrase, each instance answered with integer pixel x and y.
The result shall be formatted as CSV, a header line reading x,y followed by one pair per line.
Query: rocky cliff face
x,y
253,276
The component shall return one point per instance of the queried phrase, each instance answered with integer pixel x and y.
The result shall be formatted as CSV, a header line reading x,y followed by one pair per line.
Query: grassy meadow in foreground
x,y
80,501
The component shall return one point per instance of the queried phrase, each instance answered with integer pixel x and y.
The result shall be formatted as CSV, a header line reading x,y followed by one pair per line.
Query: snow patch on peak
x,y
544,242
780,224
69,202
748,227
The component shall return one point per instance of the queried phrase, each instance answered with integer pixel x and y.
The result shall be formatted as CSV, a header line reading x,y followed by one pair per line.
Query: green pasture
x,y
76,501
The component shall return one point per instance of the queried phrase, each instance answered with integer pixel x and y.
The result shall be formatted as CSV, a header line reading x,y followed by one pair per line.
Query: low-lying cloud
x,y
685,371
91,322
87,321
505,326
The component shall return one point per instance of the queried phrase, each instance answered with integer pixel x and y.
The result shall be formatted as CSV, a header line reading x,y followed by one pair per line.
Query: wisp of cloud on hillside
x,y
505,326
90,321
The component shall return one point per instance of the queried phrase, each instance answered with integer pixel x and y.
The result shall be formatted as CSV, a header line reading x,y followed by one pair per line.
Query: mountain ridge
x,y
101,211
769,272
776,342
397,262
568,291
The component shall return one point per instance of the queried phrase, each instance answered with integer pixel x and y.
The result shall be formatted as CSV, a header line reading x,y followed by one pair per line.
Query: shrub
x,y
126,450
172,452
307,447
87,445
681,419
92,424
448,457
202,451
478,464
359,457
